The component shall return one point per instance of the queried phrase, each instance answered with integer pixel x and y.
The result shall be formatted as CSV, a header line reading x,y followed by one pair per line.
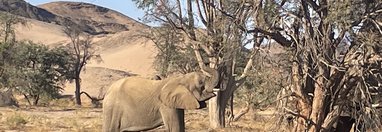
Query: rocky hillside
x,y
22,8
99,18
89,18
116,36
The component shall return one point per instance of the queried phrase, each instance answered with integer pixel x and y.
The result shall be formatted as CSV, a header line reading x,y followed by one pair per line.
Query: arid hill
x,y
100,18
72,13
24,9
116,36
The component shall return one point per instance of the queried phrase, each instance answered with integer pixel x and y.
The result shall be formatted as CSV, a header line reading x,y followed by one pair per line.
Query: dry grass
x,y
36,119
197,121
71,118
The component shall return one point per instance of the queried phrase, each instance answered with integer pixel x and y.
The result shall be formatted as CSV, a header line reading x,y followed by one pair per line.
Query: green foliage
x,y
174,56
264,83
269,12
143,4
34,70
6,23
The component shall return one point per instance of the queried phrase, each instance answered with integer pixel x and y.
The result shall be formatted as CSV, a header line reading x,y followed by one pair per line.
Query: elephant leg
x,y
112,120
173,119
180,113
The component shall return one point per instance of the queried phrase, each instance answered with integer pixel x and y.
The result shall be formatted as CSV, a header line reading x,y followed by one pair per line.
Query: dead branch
x,y
331,118
242,112
231,114
243,76
95,101
90,97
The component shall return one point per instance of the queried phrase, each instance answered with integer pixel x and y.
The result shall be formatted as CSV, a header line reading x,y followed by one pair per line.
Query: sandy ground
x,y
87,119
40,32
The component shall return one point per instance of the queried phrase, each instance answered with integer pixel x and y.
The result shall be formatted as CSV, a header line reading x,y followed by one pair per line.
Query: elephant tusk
x,y
216,90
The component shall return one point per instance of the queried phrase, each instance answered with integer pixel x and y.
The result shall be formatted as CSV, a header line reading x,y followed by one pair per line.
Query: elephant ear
x,y
178,97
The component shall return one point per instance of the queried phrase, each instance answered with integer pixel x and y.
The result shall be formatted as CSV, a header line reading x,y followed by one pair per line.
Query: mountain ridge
x,y
89,18
100,18
117,37
78,7
24,9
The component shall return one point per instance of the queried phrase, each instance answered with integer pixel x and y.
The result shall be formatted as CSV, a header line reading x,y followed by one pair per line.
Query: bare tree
x,y
83,50
217,45
327,78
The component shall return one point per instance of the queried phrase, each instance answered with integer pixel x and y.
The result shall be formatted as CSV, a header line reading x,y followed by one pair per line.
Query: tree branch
x,y
277,36
200,13
331,118
243,76
198,56
180,11
90,97
313,5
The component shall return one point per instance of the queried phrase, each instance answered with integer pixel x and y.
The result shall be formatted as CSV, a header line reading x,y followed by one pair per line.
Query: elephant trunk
x,y
213,80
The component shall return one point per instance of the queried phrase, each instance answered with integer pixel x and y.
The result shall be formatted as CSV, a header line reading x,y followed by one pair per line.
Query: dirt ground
x,y
89,119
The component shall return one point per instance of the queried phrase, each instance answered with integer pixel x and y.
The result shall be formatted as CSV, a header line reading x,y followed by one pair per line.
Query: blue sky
x,y
126,7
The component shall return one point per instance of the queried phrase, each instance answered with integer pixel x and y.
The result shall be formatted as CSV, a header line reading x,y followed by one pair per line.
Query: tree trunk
x,y
302,101
36,99
231,113
77,92
26,97
317,113
216,111
242,112
218,104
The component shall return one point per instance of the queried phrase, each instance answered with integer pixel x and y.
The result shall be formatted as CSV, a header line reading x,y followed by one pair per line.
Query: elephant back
x,y
134,98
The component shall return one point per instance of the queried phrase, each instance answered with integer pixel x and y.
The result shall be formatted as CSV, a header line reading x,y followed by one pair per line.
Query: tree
x,y
82,50
39,72
335,65
7,22
9,38
32,70
23,66
216,43
326,77
173,55
264,83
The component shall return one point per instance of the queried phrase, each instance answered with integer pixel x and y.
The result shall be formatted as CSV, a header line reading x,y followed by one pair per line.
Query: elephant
x,y
139,104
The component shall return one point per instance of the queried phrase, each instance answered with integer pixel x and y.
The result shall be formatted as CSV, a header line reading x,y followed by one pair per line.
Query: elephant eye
x,y
200,82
